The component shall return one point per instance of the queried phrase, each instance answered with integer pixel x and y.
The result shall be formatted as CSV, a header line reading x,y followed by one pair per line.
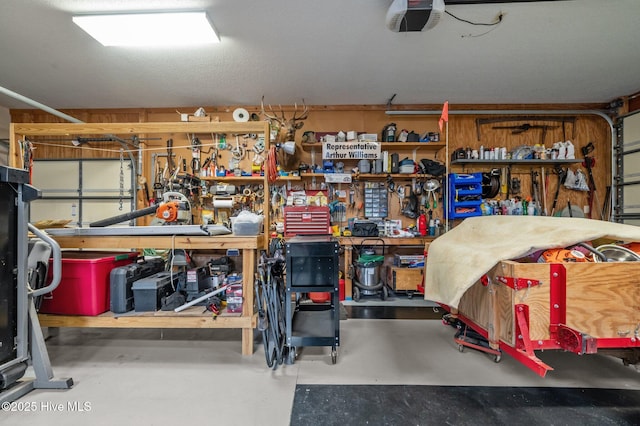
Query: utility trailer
x,y
581,307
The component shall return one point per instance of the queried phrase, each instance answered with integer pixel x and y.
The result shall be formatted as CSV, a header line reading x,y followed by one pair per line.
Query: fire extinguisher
x,y
422,224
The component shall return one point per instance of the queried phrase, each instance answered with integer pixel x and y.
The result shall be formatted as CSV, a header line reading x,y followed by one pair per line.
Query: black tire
x,y
291,356
356,294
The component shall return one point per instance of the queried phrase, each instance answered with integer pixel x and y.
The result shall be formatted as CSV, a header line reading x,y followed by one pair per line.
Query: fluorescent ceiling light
x,y
149,29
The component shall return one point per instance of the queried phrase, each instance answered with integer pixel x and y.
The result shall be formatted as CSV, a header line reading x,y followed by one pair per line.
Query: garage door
x,y
627,204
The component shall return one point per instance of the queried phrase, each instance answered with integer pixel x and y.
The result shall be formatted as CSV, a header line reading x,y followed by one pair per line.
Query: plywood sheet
x,y
491,307
602,298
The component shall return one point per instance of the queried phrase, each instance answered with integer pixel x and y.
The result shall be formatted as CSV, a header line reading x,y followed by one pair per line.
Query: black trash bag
x,y
432,167
365,229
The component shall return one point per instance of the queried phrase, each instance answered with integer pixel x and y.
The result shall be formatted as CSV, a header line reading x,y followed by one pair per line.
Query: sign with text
x,y
350,150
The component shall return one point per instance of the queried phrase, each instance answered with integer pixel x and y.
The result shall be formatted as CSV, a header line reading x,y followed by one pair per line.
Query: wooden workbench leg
x,y
247,341
248,271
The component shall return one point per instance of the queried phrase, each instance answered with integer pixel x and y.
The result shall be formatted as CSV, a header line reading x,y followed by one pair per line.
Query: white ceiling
x,y
329,52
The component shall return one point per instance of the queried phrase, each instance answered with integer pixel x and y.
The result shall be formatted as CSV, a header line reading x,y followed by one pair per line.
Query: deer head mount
x,y
286,127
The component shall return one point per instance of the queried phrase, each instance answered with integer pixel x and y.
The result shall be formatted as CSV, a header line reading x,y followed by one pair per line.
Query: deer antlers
x,y
289,126
274,116
305,111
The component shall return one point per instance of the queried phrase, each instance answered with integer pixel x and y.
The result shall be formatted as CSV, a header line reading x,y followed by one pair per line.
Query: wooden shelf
x,y
197,242
190,318
232,178
290,177
413,145
368,175
516,162
66,129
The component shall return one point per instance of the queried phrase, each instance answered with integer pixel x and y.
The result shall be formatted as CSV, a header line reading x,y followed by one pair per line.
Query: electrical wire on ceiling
x,y
485,24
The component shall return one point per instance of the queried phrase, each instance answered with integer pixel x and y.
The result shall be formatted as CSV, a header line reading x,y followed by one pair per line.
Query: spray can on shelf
x,y
422,224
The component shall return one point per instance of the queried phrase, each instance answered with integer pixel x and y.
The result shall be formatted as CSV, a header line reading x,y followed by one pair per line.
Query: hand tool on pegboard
x,y
535,188
543,179
589,162
562,176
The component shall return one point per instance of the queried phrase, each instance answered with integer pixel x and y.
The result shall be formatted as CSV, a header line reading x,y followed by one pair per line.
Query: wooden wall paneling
x,y
586,129
372,119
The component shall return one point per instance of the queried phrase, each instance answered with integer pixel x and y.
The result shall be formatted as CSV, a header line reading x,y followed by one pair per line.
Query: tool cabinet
x,y
312,266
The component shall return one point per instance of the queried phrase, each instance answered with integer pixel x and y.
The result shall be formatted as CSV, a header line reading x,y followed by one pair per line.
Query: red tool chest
x,y
306,220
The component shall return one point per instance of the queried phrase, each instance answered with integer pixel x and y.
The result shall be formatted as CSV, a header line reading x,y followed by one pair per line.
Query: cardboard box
x,y
404,279
234,298
406,260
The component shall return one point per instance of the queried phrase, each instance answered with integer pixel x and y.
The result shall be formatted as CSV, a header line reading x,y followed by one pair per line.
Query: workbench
x,y
190,318
349,242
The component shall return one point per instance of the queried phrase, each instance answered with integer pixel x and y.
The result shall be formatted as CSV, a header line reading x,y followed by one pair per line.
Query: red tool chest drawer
x,y
306,220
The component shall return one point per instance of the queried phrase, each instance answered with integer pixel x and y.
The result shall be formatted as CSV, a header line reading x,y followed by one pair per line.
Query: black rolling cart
x,y
312,266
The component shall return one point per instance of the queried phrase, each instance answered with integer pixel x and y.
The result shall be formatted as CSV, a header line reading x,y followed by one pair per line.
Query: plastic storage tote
x,y
84,287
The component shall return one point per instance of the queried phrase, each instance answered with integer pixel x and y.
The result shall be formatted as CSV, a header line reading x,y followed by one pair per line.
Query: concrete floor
x,y
174,377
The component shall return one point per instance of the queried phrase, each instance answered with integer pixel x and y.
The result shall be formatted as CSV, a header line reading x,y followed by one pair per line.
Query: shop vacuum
x,y
365,270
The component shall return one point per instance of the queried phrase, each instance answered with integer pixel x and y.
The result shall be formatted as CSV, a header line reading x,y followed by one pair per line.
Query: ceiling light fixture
x,y
149,29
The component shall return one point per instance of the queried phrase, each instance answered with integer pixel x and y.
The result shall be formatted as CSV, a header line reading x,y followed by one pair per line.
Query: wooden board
x,y
603,300
188,242
193,319
536,296
490,307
